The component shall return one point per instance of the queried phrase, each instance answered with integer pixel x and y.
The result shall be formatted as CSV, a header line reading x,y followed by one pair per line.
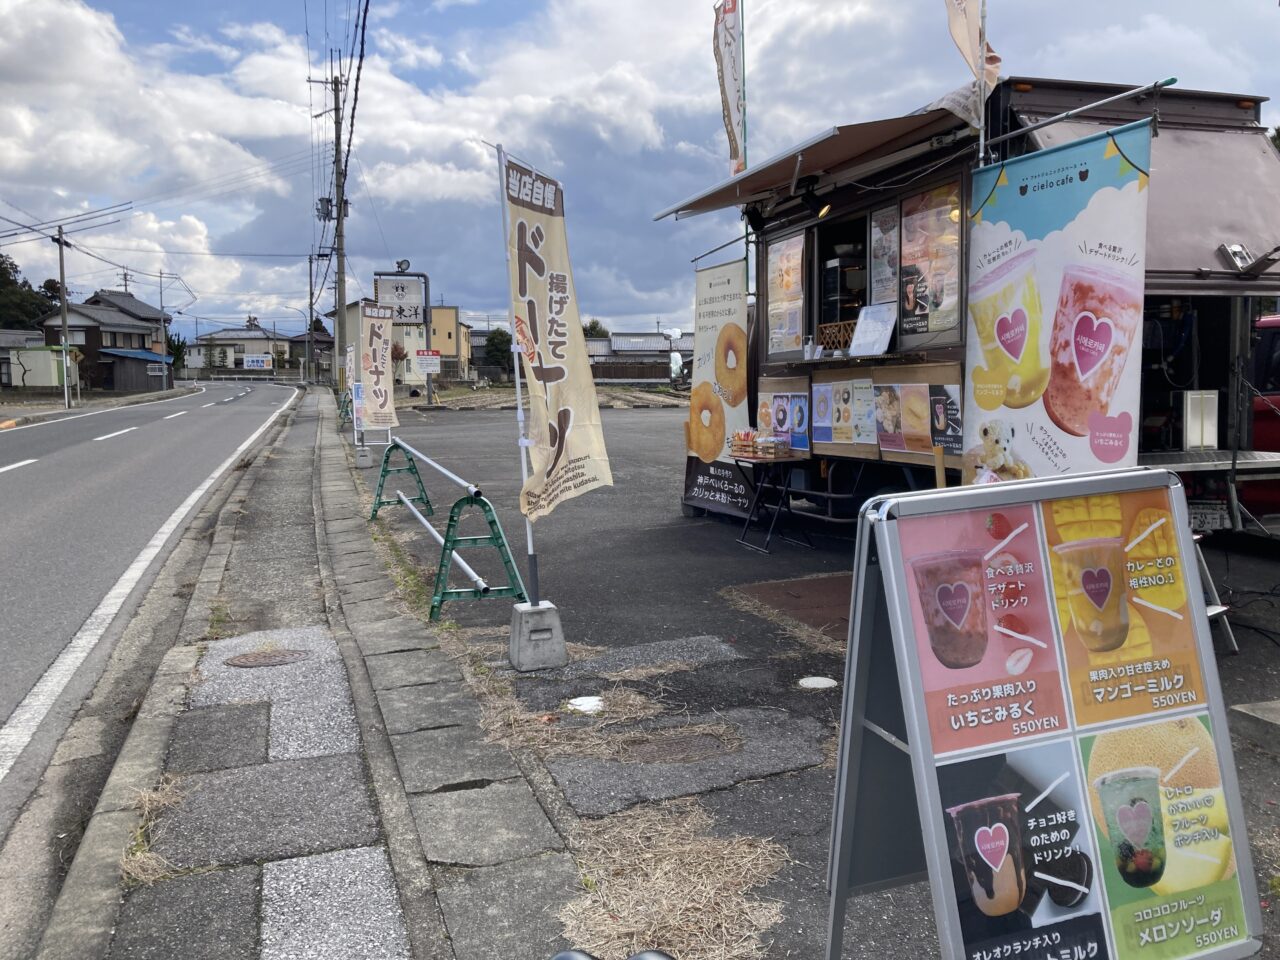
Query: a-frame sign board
x,y
1033,722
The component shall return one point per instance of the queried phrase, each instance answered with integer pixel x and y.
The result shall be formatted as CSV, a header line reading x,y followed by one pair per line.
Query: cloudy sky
x,y
202,116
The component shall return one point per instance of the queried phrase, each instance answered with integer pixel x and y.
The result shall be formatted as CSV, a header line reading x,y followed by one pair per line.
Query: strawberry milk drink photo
x,y
1005,307
953,600
1099,313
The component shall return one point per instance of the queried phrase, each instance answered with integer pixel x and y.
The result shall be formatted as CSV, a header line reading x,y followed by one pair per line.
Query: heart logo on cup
x,y
1135,822
1091,339
992,844
1011,333
953,600
1096,585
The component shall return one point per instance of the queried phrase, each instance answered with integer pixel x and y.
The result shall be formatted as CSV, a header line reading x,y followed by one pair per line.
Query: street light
x,y
308,320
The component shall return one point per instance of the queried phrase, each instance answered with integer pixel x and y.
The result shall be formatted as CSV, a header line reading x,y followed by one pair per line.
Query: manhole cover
x,y
678,749
267,658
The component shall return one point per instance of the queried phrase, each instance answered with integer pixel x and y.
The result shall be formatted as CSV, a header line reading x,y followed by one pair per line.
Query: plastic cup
x,y
1005,307
1097,594
953,599
989,832
1099,314
1130,801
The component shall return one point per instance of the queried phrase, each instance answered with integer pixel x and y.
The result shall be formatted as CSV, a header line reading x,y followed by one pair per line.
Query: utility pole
x,y
66,336
341,334
311,313
164,339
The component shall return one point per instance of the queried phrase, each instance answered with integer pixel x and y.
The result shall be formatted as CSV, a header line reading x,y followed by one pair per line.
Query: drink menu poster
x,y
1081,788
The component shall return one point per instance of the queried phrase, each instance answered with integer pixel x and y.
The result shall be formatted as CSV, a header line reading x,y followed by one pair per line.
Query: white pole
x,y
523,441
982,85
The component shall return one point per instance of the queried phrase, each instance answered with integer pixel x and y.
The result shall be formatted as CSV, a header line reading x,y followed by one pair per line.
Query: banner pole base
x,y
535,597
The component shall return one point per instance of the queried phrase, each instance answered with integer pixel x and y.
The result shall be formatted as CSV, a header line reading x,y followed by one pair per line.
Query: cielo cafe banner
x,y
718,401
1057,255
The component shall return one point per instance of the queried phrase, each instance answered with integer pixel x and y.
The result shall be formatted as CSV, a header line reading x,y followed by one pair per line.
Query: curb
x,y
82,922
1258,723
105,405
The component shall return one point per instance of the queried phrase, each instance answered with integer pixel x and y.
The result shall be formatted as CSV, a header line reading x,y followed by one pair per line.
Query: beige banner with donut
x,y
718,401
567,455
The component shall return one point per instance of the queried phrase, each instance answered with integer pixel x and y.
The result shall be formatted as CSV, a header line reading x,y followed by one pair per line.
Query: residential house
x,y
227,349
120,337
12,341
322,352
449,334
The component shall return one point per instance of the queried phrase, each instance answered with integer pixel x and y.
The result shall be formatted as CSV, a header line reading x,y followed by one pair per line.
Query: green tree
x,y
222,357
20,304
208,356
497,349
177,350
1275,137
594,328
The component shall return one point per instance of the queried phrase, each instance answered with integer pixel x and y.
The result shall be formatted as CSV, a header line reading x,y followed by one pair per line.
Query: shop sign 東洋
x,y
1057,254
718,398
1077,790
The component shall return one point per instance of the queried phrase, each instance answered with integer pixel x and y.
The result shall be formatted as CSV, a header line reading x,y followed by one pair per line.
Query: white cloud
x,y
406,52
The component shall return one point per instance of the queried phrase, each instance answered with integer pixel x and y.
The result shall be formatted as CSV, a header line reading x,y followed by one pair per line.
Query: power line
x,y
355,95
201,253
373,207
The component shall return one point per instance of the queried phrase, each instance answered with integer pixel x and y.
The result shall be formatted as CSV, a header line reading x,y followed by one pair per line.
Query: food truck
x,y
854,354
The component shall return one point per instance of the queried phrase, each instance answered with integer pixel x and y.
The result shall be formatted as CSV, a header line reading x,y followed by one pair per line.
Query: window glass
x,y
239,348
929,278
786,295
76,337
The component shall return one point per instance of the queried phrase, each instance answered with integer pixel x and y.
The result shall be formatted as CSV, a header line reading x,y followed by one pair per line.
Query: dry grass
x,y
650,670
831,751
813,639
655,879
139,864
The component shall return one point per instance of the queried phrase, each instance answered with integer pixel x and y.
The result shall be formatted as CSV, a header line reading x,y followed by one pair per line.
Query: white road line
x,y
208,404
15,466
30,713
108,436
94,413
180,413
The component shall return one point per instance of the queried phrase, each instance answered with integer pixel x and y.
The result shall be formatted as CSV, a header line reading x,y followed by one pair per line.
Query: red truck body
x,y
1263,497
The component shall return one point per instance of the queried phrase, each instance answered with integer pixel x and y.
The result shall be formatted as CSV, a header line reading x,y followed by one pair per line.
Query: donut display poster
x,y
785,291
1158,812
983,626
718,400
1057,255
823,412
1024,860
1119,584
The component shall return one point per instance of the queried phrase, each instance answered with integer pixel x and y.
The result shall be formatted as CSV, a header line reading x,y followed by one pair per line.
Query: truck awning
x,y
831,152
1208,187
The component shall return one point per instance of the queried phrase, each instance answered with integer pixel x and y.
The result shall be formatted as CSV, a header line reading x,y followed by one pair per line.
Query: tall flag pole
x,y
731,68
967,20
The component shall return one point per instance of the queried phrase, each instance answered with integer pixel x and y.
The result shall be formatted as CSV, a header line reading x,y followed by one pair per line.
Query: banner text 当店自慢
x,y
374,351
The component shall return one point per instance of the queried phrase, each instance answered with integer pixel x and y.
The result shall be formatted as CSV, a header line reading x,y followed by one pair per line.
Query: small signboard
x,y
1034,723
258,361
155,369
872,331
426,362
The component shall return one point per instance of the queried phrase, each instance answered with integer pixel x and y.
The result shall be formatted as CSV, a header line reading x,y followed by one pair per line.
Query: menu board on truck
x,y
1057,697
1057,254
785,290
929,278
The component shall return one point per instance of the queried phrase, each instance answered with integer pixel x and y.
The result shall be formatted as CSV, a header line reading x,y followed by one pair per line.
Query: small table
x,y
774,475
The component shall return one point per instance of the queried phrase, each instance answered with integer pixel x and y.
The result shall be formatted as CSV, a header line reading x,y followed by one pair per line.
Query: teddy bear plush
x,y
994,459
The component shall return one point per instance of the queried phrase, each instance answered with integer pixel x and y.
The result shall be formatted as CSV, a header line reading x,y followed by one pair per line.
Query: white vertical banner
x,y
375,366
731,69
964,17
567,450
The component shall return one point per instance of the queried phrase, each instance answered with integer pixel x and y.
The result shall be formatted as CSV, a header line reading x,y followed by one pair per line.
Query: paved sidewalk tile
x,y
478,828
379,589
267,812
392,636
207,916
333,906
411,668
427,707
215,738
368,611
432,759
509,911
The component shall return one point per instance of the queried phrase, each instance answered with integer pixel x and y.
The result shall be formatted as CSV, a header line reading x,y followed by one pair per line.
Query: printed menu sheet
x,y
1081,789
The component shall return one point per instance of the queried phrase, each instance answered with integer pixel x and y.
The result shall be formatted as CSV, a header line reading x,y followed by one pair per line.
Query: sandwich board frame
x,y
881,839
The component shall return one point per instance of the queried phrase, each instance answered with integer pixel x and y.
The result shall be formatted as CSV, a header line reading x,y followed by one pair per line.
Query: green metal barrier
x,y
387,470
450,542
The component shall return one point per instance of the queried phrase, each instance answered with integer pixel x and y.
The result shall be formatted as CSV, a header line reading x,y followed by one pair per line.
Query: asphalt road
x,y
81,498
